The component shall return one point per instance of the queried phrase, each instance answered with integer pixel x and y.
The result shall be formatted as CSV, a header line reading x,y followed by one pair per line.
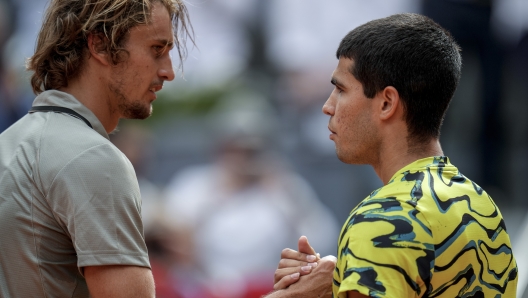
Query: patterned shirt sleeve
x,y
385,250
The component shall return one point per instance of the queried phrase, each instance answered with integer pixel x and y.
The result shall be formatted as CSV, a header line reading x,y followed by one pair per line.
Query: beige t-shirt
x,y
68,199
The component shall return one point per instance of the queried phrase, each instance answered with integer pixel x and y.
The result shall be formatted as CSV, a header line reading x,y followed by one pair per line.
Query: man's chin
x,y
138,113
351,160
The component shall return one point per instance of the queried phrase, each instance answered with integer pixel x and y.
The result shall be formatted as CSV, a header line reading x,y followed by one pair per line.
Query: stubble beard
x,y
128,108
135,109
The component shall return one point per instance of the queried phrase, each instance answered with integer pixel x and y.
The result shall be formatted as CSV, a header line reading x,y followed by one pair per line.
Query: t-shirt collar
x,y
432,161
63,99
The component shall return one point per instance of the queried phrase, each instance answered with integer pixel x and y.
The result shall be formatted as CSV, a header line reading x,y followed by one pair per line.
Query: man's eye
x,y
159,49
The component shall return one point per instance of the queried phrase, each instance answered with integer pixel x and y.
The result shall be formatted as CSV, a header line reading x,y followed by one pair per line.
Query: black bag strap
x,y
60,110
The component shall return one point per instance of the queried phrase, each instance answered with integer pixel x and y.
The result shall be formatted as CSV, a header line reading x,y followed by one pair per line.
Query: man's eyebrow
x,y
335,82
168,43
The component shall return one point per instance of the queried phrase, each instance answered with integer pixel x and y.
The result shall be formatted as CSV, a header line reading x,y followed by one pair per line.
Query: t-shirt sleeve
x,y
385,250
96,199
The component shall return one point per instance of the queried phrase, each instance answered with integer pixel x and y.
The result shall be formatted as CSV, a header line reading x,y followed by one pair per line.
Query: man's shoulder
x,y
67,144
62,149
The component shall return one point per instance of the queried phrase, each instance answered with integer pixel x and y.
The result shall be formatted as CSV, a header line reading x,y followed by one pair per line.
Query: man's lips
x,y
153,89
332,133
156,88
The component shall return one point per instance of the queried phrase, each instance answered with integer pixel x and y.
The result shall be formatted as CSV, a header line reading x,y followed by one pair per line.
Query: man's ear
x,y
390,103
97,45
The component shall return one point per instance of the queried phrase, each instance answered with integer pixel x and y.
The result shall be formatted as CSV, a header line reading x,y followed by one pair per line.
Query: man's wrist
x,y
286,293
283,293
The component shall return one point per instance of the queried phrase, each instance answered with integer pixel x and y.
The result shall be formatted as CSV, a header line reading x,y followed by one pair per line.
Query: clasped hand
x,y
304,273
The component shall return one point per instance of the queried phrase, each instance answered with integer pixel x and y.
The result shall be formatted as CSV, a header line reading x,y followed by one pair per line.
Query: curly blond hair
x,y
62,41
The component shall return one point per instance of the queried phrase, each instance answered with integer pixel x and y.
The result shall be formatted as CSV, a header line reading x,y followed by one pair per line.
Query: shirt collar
x,y
428,162
62,99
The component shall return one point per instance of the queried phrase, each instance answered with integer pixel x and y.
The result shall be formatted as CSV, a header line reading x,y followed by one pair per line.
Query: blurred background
x,y
235,163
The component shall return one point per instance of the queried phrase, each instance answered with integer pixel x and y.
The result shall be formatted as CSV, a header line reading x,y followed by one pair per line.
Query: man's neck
x,y
91,96
393,158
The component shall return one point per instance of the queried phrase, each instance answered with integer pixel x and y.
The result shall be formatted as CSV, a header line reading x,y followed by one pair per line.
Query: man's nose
x,y
166,71
328,108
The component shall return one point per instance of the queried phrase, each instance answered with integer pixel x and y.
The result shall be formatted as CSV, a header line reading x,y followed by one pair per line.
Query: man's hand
x,y
317,284
293,264
318,273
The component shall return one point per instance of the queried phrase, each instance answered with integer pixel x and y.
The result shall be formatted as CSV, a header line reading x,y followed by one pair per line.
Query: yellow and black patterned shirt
x,y
430,232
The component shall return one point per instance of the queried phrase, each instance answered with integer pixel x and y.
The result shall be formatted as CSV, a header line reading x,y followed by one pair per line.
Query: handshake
x,y
303,273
